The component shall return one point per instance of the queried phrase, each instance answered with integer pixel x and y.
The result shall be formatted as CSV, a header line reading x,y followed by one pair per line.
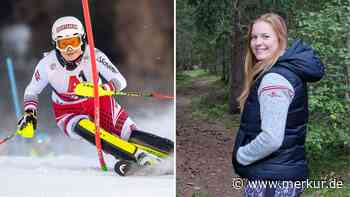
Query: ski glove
x,y
27,123
109,86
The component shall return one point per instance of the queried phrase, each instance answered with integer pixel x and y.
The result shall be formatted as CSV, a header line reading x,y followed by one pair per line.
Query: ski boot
x,y
143,159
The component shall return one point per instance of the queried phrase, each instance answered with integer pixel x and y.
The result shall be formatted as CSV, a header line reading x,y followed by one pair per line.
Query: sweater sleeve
x,y
275,94
37,84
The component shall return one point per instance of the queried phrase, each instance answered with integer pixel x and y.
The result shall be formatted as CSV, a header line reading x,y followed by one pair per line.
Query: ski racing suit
x,y
70,109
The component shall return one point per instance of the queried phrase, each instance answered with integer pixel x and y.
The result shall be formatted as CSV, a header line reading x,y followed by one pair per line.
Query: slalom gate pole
x,y
95,81
13,86
15,99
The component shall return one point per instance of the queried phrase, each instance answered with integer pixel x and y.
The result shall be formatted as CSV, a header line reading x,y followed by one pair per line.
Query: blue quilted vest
x,y
298,65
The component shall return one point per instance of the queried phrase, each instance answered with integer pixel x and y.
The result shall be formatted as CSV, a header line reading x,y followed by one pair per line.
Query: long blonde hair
x,y
252,68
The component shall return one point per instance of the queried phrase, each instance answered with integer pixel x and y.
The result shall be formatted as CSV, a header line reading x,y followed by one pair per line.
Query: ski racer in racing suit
x,y
65,67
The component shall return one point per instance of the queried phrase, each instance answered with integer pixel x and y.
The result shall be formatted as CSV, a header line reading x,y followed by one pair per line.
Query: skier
x,y
67,65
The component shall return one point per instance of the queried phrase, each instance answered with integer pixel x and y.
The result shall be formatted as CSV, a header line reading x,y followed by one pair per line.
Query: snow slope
x,y
66,176
73,168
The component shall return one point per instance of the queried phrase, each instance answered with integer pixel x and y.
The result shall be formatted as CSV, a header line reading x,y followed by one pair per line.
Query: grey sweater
x,y
275,95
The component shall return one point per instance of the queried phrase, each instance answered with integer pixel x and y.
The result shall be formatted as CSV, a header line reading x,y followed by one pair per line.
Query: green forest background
x,y
210,41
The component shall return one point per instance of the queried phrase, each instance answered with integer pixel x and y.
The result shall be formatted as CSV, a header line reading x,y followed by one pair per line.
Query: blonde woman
x,y
270,142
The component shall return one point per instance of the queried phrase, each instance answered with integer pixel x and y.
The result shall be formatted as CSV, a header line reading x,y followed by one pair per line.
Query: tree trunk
x,y
223,62
347,93
237,63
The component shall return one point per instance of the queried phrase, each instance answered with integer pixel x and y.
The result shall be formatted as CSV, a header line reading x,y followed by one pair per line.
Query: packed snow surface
x,y
62,167
66,176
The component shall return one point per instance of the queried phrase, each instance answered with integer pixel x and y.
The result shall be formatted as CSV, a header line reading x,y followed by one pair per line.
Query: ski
x,y
132,157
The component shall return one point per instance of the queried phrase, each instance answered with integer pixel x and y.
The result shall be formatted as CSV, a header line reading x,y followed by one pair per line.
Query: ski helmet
x,y
67,26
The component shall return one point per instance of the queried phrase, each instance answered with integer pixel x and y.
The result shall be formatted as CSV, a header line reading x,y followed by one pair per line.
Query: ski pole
x,y
86,90
8,138
144,94
27,132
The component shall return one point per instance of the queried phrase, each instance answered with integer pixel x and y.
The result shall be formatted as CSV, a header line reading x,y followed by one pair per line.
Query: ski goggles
x,y
74,42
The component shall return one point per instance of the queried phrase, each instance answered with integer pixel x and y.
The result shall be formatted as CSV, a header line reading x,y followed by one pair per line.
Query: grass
x,y
333,165
185,79
212,106
200,194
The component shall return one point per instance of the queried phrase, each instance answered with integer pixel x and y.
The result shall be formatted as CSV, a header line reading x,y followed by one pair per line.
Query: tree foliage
x,y
326,29
205,29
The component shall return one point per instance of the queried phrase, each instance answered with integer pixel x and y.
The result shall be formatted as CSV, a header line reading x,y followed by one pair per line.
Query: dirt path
x,y
204,150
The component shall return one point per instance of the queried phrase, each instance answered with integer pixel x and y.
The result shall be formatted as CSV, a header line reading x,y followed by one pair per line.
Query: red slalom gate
x,y
95,81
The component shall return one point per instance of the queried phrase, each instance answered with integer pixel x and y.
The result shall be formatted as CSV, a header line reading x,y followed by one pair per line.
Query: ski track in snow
x,y
74,176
